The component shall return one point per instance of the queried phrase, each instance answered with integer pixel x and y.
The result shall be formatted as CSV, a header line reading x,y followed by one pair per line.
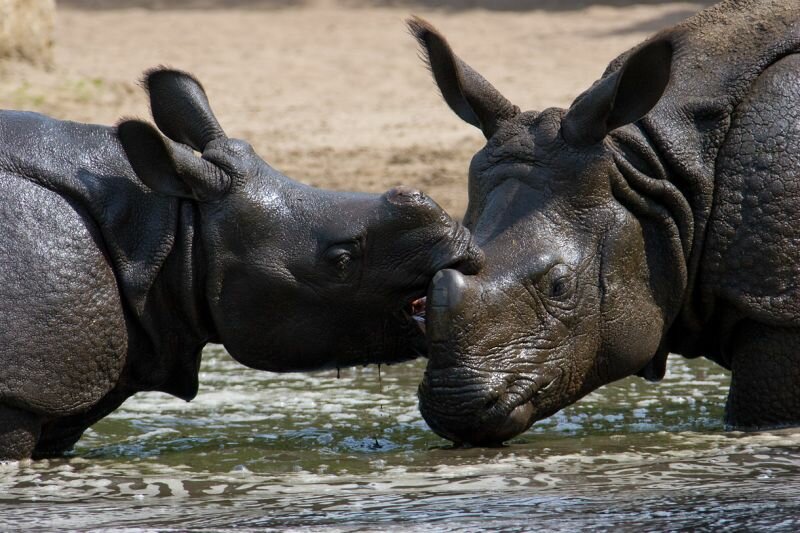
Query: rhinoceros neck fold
x,y
643,184
154,244
175,316
717,56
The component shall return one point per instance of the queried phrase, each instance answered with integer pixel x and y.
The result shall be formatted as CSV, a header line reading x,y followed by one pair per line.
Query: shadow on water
x,y
451,5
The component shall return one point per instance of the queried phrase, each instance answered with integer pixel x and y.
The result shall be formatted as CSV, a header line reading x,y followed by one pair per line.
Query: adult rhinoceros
x,y
112,283
659,213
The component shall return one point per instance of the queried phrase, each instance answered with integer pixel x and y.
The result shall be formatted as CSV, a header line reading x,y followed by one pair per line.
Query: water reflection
x,y
257,450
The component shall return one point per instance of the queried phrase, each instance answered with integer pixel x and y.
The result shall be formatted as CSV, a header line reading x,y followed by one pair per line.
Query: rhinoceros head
x,y
583,262
296,278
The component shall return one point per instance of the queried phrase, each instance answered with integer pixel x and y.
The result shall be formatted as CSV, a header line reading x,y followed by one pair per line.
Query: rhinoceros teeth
x,y
418,312
418,307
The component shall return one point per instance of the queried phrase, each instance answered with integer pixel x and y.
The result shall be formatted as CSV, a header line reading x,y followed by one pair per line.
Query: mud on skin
x,y
124,252
657,214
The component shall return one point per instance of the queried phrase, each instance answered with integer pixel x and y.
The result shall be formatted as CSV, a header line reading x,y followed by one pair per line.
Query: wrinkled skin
x,y
124,252
655,215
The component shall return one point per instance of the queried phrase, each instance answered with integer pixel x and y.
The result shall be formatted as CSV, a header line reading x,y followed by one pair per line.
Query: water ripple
x,y
259,450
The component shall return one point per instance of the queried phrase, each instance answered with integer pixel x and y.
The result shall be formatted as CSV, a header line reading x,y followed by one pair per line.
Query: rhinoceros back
x,y
86,164
62,330
81,239
717,56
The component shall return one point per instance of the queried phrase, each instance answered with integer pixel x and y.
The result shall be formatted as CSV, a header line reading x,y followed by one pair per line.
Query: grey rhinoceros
x,y
112,283
659,213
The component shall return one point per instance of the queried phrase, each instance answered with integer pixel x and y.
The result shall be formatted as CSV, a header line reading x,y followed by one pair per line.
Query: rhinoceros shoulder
x,y
752,256
62,330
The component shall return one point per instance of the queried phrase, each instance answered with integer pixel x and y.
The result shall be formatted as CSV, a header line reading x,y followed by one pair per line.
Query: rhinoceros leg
x,y
19,431
60,435
751,262
765,382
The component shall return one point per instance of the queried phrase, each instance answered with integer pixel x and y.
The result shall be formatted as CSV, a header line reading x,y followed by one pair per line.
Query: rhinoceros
x,y
659,213
123,252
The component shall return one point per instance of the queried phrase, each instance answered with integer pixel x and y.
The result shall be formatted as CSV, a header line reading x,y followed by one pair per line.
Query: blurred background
x,y
329,91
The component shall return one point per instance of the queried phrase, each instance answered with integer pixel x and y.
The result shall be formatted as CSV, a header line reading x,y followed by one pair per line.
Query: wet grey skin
x,y
125,251
659,213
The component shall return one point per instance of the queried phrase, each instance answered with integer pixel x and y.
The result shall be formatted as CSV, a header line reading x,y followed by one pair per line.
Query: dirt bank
x,y
332,95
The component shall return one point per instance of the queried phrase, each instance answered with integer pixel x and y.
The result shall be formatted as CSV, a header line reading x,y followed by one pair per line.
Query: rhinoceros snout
x,y
466,408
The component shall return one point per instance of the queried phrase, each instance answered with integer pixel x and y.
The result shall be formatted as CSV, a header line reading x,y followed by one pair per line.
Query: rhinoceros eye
x,y
559,282
343,261
342,258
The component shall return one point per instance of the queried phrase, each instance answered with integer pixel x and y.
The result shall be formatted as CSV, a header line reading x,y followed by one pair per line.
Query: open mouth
x,y
416,308
417,312
414,313
468,261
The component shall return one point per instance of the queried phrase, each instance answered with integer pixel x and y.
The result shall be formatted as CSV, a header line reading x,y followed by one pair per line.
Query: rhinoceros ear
x,y
180,107
620,98
467,93
170,168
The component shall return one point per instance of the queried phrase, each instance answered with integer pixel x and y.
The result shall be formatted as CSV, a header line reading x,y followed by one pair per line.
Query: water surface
x,y
256,450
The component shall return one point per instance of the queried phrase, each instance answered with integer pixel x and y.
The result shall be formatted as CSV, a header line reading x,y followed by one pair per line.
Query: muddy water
x,y
258,450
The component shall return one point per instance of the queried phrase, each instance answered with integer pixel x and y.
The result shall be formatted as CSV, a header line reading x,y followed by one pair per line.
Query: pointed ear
x,y
621,97
467,93
170,168
180,108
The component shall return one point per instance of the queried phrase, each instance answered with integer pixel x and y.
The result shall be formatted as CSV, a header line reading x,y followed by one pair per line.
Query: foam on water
x,y
258,450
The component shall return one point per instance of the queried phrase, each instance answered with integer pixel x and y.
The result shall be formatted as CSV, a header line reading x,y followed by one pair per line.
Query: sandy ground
x,y
331,91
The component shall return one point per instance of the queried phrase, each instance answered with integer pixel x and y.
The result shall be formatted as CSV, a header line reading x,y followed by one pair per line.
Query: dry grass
x,y
26,30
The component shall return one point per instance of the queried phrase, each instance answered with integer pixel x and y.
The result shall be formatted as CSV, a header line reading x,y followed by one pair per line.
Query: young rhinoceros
x,y
112,284
659,213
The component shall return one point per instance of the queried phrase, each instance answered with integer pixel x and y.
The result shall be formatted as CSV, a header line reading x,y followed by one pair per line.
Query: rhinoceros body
x,y
123,253
659,213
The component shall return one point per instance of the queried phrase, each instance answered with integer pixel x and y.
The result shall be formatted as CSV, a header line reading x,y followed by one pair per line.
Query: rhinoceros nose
x,y
446,295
